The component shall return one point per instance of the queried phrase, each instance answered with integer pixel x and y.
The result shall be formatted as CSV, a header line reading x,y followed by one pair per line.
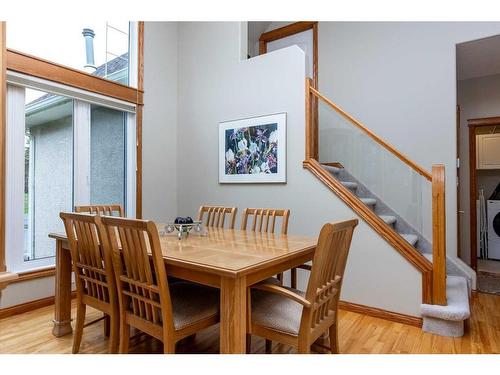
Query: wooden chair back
x,y
264,219
325,281
216,216
91,258
142,283
103,210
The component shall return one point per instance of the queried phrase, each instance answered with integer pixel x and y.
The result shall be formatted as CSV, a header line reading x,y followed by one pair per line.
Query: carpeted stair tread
x,y
448,320
331,169
389,219
369,201
410,238
349,184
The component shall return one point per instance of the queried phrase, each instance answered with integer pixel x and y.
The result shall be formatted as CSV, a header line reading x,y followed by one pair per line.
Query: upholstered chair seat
x,y
192,303
295,318
276,311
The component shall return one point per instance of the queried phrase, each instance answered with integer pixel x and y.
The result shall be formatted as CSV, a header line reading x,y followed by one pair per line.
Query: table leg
x,y
62,317
233,306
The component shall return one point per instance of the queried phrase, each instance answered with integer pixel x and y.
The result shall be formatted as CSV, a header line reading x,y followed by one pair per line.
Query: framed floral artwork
x,y
253,150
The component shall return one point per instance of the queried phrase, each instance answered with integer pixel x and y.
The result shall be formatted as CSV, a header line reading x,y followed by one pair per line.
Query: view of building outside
x,y
49,175
48,171
107,156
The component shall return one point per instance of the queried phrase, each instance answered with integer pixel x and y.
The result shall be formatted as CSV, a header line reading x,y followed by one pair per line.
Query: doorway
x,y
478,152
265,37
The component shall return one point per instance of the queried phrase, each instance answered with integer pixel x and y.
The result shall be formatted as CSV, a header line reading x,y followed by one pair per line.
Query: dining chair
x,y
94,276
216,216
146,300
103,210
264,220
295,318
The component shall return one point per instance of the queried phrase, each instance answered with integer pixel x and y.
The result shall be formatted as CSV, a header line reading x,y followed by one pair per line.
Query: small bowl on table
x,y
183,226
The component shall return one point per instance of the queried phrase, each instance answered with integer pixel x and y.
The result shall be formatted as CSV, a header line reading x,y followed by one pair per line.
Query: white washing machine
x,y
493,209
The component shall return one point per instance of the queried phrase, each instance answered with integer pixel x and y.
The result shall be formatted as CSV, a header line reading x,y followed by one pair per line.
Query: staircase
x,y
391,218
446,286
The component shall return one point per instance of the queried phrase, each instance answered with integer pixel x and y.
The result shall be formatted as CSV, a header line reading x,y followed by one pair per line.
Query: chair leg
x,y
106,325
124,337
114,329
168,347
269,346
304,348
334,340
80,320
293,275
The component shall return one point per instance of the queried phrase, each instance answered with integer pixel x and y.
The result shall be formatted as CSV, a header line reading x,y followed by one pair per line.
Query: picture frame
x,y
253,150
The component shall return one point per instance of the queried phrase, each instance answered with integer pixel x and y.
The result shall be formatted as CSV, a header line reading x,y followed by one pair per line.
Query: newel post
x,y
438,235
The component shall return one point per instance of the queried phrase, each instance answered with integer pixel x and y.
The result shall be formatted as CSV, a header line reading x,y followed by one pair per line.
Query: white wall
x,y
478,97
214,86
159,126
400,80
31,290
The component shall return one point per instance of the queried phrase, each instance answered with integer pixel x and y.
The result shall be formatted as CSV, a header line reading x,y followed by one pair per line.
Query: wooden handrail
x,y
434,285
371,134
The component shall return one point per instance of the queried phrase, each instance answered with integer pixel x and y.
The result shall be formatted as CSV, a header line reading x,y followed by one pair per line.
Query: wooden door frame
x,y
473,124
286,31
289,30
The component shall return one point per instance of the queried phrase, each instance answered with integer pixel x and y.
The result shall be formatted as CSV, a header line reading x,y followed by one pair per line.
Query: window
x,y
104,49
48,169
107,155
62,151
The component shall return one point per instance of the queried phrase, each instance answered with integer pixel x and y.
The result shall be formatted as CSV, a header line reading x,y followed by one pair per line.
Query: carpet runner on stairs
x,y
443,320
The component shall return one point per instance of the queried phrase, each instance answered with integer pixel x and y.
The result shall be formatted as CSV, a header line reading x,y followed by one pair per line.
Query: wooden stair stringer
x,y
412,255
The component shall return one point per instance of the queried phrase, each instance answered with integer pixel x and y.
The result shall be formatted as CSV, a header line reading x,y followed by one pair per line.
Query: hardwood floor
x,y
31,333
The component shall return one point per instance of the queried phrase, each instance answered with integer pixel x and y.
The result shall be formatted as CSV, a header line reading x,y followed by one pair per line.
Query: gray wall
x,y
159,160
215,86
53,175
478,97
400,80
107,156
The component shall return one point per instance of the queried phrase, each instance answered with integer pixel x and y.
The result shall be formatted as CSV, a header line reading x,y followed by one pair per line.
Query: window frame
x,y
14,61
81,170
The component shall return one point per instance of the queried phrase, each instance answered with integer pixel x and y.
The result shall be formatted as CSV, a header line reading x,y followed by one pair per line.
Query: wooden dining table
x,y
228,259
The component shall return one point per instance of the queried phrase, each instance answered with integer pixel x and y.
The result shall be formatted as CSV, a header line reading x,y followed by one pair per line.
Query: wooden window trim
x,y
40,68
292,29
35,274
36,67
140,87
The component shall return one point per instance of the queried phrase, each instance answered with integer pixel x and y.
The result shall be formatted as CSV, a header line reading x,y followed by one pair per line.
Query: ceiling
x,y
478,58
